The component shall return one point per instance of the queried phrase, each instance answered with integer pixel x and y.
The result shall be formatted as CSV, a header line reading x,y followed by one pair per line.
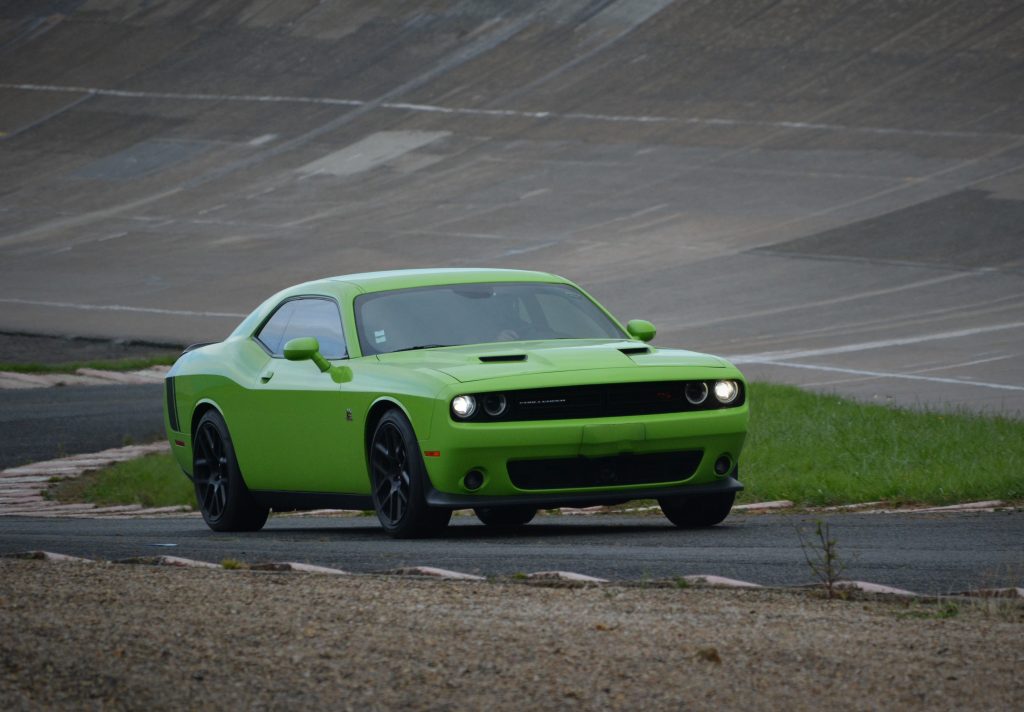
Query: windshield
x,y
458,314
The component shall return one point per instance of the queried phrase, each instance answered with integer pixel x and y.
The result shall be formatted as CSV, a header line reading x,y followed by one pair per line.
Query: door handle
x,y
265,378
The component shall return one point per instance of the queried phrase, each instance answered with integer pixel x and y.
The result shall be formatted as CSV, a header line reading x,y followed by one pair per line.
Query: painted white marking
x,y
534,193
828,302
523,250
370,152
771,356
122,308
503,113
265,138
890,374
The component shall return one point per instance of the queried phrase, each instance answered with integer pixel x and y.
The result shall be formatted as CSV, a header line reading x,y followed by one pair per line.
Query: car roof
x,y
405,278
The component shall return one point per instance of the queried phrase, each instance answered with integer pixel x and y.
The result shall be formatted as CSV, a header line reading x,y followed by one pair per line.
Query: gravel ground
x,y
99,636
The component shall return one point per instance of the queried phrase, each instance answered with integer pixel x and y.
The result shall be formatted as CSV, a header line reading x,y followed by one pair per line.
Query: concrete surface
x,y
830,192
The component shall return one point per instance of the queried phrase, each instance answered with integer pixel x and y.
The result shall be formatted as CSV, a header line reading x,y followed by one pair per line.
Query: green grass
x,y
152,481
819,450
123,364
809,448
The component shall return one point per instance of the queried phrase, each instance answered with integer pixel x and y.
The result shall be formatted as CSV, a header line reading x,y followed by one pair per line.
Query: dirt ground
x,y
109,636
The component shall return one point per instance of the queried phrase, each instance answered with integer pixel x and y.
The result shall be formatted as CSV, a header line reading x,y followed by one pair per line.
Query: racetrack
x,y
936,553
828,192
44,423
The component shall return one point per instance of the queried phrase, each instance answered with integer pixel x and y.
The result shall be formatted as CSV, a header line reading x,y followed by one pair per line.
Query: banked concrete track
x,y
830,192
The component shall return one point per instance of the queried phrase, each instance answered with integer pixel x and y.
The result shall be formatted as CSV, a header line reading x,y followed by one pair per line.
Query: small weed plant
x,y
822,556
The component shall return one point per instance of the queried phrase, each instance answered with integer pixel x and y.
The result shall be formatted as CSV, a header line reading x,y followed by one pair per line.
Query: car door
x,y
297,423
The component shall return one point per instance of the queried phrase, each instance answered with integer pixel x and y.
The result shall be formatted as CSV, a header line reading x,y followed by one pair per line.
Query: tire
x,y
223,498
505,517
697,511
398,480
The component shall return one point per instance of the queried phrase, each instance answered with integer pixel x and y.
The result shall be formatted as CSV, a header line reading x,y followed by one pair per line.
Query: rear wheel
x,y
697,511
399,481
505,517
223,498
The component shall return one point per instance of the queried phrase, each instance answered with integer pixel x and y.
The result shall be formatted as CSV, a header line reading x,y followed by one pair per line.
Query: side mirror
x,y
640,329
303,349
307,348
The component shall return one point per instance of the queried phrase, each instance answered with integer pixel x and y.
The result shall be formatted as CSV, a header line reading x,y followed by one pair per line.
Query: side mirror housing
x,y
302,349
307,348
640,329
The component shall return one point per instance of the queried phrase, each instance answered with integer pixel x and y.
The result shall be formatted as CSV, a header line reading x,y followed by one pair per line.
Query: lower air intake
x,y
625,469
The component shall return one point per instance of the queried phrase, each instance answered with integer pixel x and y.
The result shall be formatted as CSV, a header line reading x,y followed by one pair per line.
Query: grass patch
x,y
818,449
152,481
809,448
121,364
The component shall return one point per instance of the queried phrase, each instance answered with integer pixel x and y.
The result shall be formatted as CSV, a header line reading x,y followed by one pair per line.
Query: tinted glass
x,y
306,317
453,315
272,333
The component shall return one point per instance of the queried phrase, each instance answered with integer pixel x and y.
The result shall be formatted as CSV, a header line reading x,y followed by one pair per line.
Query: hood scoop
x,y
634,350
503,358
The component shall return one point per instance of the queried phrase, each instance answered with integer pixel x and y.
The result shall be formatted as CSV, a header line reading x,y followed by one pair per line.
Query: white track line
x,y
771,356
122,308
500,113
889,374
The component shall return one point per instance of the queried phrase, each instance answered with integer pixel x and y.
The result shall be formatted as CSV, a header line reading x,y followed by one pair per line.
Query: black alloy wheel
x,y
505,517
697,511
392,481
399,481
223,498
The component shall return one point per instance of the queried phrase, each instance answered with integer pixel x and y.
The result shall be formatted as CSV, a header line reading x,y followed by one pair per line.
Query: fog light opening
x,y
473,480
722,465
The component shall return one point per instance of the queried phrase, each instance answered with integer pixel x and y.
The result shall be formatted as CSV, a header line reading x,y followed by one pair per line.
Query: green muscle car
x,y
418,392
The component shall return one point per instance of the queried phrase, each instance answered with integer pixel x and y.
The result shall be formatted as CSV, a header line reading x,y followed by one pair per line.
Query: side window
x,y
272,333
305,317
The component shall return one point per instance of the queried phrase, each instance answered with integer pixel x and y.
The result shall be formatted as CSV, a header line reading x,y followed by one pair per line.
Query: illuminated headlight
x,y
495,404
726,391
464,406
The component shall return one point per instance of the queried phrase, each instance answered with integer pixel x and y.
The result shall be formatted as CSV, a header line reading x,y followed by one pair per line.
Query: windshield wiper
x,y
421,346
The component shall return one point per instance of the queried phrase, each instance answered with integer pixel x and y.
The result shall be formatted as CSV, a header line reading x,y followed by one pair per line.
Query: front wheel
x,y
223,498
697,511
399,481
505,517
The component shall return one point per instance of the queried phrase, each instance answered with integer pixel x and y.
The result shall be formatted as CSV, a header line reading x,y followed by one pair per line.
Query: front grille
x,y
626,469
606,400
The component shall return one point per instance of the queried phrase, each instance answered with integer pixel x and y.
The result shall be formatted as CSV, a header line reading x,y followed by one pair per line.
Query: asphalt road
x,y
43,423
924,553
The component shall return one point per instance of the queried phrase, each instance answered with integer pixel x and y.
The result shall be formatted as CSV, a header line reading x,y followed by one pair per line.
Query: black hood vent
x,y
634,350
503,358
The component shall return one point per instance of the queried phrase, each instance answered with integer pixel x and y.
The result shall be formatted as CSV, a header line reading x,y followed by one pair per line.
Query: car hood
x,y
483,361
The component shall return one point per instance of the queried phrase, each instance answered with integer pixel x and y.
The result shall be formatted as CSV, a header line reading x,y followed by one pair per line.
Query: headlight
x,y
696,392
495,404
464,406
726,391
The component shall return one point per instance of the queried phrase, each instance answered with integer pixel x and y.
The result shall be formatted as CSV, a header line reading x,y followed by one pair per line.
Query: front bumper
x,y
454,449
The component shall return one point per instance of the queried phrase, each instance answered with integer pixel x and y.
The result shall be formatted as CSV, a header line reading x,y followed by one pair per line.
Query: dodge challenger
x,y
418,392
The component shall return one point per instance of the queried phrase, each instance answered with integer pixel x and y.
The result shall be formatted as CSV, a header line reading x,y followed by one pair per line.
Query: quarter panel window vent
x,y
172,404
